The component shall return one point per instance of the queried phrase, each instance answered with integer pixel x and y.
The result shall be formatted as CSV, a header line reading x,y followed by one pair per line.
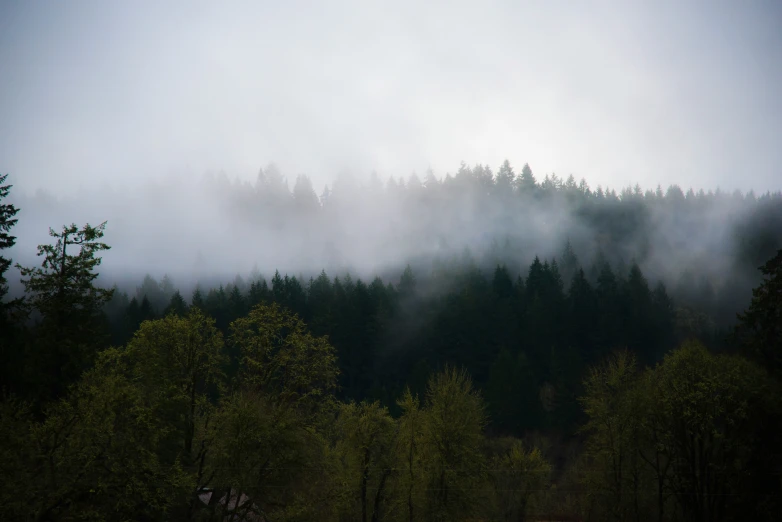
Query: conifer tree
x,y
10,354
62,291
7,221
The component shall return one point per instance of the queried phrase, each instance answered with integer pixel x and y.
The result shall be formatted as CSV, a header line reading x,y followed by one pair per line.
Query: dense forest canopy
x,y
487,346
211,229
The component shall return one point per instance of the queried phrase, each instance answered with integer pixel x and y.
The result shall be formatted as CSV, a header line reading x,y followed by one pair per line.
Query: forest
x,y
486,346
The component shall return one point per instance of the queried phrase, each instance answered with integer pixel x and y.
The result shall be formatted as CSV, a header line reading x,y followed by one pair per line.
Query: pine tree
x,y
526,181
407,283
7,221
259,293
506,179
176,305
568,262
11,358
197,301
237,305
63,293
760,327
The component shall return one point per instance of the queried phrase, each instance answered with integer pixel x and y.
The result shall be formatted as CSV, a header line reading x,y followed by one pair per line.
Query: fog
x,y
156,118
620,93
211,228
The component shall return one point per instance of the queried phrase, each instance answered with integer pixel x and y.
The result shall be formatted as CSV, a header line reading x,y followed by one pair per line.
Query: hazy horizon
x,y
109,93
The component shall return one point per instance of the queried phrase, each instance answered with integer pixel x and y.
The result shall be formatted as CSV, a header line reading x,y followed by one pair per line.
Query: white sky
x,y
617,92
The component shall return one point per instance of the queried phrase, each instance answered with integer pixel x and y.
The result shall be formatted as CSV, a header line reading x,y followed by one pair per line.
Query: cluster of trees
x,y
519,338
508,214
704,245
462,395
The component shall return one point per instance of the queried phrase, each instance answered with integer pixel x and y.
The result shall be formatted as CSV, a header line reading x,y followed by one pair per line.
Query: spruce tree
x,y
10,355
7,220
63,292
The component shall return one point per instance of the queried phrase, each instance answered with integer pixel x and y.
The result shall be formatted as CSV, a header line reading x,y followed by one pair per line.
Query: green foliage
x,y
94,457
283,360
62,291
176,305
613,425
686,438
11,353
178,362
715,410
453,466
7,221
179,424
366,438
519,476
760,328
265,451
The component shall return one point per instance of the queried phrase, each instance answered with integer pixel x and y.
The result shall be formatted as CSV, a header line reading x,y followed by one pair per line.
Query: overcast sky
x,y
617,92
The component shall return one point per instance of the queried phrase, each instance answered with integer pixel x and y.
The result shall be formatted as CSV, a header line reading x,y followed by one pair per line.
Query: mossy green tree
x,y
452,460
97,455
519,475
366,436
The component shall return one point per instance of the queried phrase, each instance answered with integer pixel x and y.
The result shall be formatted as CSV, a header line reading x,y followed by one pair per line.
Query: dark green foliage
x,y
176,305
760,328
10,352
71,329
7,221
311,408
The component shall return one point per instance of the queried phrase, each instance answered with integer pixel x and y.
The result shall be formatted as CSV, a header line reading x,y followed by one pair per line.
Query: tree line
x,y
464,394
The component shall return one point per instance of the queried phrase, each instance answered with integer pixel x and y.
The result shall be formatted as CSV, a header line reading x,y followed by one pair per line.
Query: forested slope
x,y
499,349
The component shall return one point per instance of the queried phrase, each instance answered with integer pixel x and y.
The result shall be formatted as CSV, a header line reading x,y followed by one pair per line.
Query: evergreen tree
x,y
760,326
62,291
638,308
568,262
176,305
582,316
197,301
11,358
7,221
259,292
407,283
506,179
526,181
237,306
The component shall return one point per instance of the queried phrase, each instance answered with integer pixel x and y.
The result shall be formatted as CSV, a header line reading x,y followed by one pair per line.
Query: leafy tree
x,y
612,426
62,291
452,461
409,451
263,461
179,361
96,456
719,413
366,442
518,475
283,360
